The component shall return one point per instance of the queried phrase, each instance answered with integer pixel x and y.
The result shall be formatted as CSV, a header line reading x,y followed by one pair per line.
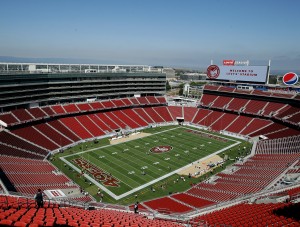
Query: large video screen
x,y
238,73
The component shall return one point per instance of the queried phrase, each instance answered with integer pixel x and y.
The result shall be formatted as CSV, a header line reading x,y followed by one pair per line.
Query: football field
x,y
129,166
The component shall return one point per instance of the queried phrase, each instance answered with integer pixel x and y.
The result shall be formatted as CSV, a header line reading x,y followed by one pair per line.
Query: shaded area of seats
x,y
18,152
27,175
31,134
8,118
37,113
22,115
251,215
53,134
10,139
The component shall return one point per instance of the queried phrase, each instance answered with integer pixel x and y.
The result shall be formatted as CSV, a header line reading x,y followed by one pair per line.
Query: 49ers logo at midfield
x,y
213,71
161,149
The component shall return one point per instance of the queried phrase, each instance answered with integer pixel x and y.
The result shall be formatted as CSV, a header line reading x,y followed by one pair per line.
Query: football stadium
x,y
107,147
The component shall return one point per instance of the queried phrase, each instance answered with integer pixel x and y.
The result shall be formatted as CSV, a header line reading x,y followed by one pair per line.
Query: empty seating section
x,y
31,134
167,204
239,124
226,89
115,119
152,100
295,118
211,118
96,105
48,111
134,101
236,104
288,111
58,109
221,102
8,118
18,152
249,215
230,187
26,175
223,122
153,114
20,179
273,107
207,99
164,113
127,102
211,87
71,108
283,133
192,200
99,123
108,104
260,93
282,95
254,107
143,100
135,117
201,114
64,130
161,99
111,124
189,113
72,216
143,115
84,107
118,102
22,115
76,127
270,128
255,124
215,196
12,140
37,113
57,137
124,118
90,126
176,111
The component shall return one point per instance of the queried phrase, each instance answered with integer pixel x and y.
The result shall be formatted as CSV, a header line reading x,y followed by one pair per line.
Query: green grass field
x,y
131,164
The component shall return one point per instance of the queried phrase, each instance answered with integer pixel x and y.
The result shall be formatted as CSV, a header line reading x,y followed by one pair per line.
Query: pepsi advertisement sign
x,y
238,73
290,78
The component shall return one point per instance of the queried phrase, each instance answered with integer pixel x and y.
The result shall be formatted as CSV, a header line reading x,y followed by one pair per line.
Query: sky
x,y
176,33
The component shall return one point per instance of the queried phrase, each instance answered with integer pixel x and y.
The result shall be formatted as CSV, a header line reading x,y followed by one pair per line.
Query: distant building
x,y
192,91
193,76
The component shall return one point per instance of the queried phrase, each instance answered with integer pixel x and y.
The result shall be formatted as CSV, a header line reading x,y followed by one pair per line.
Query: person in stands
x,y
39,198
136,208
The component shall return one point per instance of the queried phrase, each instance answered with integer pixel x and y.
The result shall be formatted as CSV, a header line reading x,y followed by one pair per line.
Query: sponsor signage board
x,y
238,73
228,62
290,78
235,62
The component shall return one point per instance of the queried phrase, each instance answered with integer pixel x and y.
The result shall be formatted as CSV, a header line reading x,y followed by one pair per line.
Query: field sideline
x,y
127,167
